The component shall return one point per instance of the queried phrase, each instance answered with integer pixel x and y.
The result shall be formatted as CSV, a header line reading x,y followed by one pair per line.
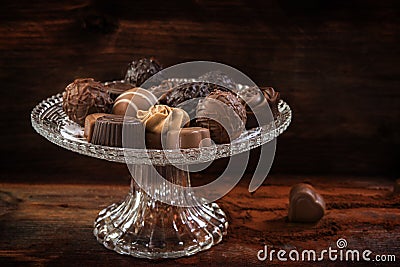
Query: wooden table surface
x,y
51,224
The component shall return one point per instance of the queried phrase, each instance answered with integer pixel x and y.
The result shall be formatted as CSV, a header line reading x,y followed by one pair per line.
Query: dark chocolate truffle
x,y
223,114
186,96
141,70
108,131
84,97
116,88
187,91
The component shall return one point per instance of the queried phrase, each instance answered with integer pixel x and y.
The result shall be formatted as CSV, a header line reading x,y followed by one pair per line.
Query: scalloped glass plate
x,y
50,121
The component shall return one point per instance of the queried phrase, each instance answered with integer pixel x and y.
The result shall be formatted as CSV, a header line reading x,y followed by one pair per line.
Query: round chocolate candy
x,y
83,97
141,70
223,114
133,100
187,91
187,96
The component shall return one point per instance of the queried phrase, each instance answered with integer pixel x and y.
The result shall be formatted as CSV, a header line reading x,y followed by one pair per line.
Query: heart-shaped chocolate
x,y
305,204
396,187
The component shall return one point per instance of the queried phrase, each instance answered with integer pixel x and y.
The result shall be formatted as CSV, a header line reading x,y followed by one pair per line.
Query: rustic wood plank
x,y
51,224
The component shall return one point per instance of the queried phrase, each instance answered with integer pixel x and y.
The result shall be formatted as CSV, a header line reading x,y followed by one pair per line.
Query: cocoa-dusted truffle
x,y
83,97
108,131
223,114
140,70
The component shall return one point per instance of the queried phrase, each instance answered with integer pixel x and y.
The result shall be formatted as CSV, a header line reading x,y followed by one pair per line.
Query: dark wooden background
x,y
337,63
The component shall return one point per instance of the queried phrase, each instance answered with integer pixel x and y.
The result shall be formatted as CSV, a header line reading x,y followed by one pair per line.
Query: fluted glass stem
x,y
145,227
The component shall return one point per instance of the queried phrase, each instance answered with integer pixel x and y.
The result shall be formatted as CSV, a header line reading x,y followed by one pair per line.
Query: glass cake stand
x,y
141,225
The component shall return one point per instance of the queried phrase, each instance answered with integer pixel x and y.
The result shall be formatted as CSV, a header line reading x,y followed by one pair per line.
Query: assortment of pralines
x,y
160,117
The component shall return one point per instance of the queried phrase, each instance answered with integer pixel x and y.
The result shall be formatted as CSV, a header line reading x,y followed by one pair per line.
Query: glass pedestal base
x,y
144,227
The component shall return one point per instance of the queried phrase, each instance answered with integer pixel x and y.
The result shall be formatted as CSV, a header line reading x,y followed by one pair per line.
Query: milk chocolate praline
x,y
190,137
132,100
83,97
158,121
